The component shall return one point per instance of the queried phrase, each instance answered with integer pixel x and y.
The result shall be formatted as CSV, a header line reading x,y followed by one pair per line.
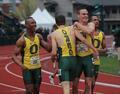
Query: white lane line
x,y
17,88
6,68
109,74
104,84
8,57
4,57
14,87
46,58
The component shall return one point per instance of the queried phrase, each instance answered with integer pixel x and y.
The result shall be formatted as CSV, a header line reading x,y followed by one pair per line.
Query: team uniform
x,y
97,42
66,56
84,57
31,60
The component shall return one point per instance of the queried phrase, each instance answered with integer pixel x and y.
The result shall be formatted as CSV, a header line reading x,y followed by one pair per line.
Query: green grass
x,y
109,65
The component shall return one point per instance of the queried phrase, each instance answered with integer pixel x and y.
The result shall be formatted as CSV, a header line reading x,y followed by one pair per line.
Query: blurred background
x,y
14,12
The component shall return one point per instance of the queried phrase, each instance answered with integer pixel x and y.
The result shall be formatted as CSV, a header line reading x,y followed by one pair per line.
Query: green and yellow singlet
x,y
97,42
30,54
83,49
68,47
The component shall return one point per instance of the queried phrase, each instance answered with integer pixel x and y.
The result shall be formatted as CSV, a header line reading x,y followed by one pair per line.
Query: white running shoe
x,y
51,79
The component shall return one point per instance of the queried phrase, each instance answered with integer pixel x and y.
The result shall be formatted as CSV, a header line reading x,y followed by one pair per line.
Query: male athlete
x,y
28,46
64,48
99,42
84,53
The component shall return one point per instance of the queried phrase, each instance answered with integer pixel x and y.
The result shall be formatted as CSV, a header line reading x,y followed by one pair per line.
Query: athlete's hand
x,y
96,54
76,25
102,50
23,67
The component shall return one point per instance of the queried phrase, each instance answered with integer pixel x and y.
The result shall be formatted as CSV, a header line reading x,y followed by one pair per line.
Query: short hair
x,y
26,21
60,20
54,27
94,15
81,8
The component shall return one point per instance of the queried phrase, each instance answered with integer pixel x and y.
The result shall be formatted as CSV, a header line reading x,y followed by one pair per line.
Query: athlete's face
x,y
83,15
95,20
31,24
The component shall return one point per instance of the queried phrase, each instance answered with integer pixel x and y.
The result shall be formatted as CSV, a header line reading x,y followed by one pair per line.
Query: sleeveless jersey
x,y
68,47
83,49
97,42
30,54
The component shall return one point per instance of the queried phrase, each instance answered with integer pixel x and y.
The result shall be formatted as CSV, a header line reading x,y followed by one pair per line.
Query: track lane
x,y
8,79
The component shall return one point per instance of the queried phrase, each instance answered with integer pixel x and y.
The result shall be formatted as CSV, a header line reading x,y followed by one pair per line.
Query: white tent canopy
x,y
42,18
47,15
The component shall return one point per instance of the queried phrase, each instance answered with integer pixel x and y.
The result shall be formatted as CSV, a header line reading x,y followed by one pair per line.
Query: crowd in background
x,y
11,29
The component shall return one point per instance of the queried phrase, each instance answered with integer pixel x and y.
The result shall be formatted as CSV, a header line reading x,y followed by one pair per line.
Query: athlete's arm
x,y
82,39
19,44
103,49
87,29
54,48
49,41
44,44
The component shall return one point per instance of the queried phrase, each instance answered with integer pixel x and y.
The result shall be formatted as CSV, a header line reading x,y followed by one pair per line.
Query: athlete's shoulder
x,y
39,36
101,32
55,33
21,41
70,27
91,23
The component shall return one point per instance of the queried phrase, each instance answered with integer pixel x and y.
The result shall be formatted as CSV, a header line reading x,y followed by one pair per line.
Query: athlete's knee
x,y
36,89
27,92
88,82
29,89
66,87
75,82
75,86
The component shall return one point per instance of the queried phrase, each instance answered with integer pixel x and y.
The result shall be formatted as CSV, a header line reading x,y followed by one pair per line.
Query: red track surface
x,y
11,80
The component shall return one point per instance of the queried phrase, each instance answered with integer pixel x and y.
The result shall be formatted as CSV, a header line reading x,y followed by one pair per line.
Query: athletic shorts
x,y
84,64
95,70
67,68
32,76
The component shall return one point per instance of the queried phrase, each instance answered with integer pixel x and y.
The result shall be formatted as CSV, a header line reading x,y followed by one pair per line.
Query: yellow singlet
x,y
68,47
83,49
31,53
97,42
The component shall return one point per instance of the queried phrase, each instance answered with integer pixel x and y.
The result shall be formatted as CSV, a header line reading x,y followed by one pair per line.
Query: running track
x,y
11,80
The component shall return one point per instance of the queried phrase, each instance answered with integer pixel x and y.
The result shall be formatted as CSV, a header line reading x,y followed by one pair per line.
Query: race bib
x,y
81,47
35,60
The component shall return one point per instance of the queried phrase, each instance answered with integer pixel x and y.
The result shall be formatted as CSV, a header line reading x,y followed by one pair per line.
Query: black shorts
x,y
84,64
32,76
95,70
67,68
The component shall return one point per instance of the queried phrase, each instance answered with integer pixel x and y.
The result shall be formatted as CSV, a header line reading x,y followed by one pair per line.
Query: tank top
x,y
68,47
30,54
83,49
97,42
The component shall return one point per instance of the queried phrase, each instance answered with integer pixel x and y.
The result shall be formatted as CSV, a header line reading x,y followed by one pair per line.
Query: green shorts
x,y
95,70
32,76
67,68
84,64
